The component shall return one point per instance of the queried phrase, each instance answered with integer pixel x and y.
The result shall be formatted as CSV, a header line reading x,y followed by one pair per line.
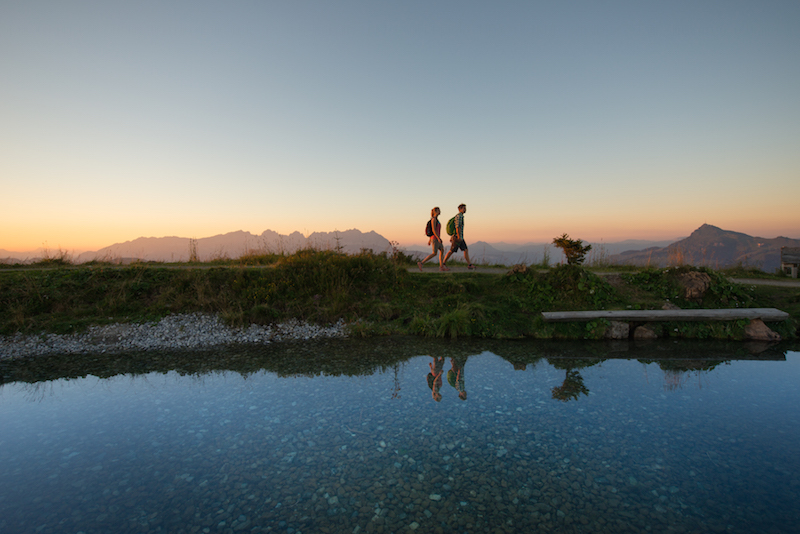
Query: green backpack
x,y
451,226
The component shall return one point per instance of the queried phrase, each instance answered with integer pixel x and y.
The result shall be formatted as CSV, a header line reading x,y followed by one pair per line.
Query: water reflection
x,y
364,357
572,386
455,376
346,437
435,377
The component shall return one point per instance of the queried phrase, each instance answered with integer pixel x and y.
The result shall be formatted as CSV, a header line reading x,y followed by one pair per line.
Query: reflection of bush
x,y
360,357
573,363
328,357
685,365
572,387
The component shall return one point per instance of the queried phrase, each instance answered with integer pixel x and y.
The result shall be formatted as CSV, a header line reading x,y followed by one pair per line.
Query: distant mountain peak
x,y
714,247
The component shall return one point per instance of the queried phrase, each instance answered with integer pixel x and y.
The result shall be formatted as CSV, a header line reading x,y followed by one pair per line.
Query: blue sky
x,y
605,120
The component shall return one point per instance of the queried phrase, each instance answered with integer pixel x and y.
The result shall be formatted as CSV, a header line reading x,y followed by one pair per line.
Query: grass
x,y
374,293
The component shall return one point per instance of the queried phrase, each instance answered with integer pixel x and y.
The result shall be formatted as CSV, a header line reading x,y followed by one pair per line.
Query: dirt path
x,y
429,268
762,282
434,269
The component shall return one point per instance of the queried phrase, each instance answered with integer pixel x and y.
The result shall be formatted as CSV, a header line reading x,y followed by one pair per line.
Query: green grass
x,y
374,293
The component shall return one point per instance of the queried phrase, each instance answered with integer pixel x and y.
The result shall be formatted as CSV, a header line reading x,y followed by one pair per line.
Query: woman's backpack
x,y
428,229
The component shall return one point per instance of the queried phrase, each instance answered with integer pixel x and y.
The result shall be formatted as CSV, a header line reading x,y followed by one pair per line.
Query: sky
x,y
605,120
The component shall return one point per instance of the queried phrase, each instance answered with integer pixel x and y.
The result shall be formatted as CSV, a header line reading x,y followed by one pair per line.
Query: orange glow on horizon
x,y
74,238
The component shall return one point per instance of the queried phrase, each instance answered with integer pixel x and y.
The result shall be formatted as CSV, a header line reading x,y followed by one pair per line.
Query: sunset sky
x,y
606,120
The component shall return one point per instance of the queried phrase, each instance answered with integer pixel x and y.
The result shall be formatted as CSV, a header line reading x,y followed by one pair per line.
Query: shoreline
x,y
179,331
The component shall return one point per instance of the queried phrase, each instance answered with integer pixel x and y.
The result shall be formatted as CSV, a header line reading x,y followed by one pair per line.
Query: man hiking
x,y
457,240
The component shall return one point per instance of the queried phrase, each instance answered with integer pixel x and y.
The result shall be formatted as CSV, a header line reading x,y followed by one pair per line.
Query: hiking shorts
x,y
436,245
456,244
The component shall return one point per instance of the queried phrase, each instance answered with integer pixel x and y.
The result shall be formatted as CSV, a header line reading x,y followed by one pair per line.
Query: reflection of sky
x,y
487,379
149,119
165,432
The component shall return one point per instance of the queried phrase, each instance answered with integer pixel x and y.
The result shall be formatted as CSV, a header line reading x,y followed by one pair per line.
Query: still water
x,y
397,435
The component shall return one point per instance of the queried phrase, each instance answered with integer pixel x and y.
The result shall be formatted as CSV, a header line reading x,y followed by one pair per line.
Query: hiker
x,y
435,377
457,240
455,376
434,231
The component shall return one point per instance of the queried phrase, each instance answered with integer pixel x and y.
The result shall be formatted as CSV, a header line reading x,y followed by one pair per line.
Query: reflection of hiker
x,y
434,232
457,240
455,376
435,377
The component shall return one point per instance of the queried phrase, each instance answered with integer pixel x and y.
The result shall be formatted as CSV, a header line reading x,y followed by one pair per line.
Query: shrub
x,y
573,249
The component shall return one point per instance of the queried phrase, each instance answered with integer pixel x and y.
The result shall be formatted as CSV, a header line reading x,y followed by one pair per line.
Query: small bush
x,y
574,249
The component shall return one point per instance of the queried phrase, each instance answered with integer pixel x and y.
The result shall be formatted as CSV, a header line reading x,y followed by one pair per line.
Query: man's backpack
x,y
451,226
428,229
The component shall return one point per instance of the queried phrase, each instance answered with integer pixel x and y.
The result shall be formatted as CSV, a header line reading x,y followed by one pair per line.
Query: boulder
x,y
618,330
519,268
694,284
758,331
644,332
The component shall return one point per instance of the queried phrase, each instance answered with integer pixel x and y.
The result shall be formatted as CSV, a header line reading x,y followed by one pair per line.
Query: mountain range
x,y
708,245
712,247
231,245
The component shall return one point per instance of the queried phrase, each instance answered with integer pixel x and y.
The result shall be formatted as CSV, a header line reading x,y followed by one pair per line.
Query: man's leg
x,y
449,252
466,257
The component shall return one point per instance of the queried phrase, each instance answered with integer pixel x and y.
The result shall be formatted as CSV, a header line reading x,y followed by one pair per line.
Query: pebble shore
x,y
184,331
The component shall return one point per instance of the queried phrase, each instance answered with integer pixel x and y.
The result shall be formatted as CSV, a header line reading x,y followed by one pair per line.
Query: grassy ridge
x,y
374,293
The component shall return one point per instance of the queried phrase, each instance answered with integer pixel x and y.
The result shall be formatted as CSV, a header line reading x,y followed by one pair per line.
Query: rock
x,y
694,284
644,332
670,306
758,331
520,268
618,330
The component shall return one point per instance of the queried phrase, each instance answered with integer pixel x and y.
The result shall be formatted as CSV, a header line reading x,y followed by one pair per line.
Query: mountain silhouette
x,y
714,247
234,245
707,246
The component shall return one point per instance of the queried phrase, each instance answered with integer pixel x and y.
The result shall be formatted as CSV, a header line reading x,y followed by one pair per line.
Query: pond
x,y
397,435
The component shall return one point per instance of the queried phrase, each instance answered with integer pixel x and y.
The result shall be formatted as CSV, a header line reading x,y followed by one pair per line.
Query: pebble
x,y
183,331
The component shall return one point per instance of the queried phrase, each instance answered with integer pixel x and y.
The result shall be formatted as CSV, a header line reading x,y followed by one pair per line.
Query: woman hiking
x,y
435,241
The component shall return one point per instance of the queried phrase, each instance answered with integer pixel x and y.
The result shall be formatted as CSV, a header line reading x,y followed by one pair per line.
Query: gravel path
x,y
186,331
